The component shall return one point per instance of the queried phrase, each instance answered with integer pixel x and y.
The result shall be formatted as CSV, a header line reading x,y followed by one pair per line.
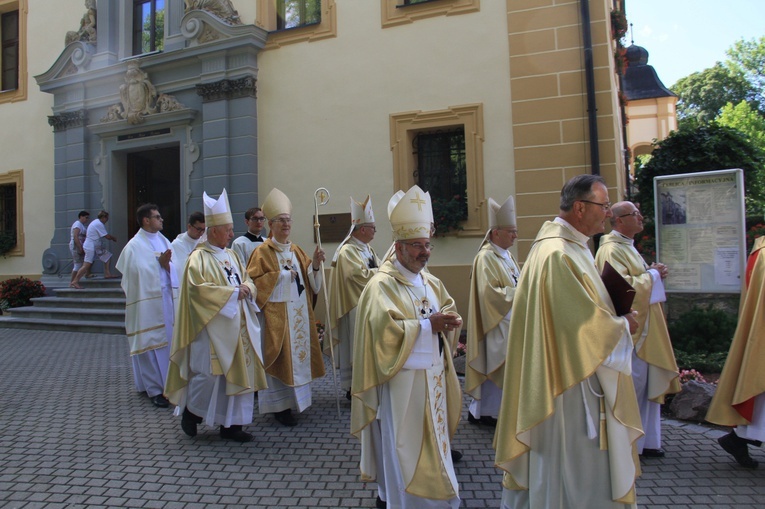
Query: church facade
x,y
122,102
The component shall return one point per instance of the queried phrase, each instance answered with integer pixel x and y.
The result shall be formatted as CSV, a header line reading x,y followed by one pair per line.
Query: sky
x,y
684,36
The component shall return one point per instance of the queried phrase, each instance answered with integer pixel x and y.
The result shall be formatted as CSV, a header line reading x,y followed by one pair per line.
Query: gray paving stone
x,y
114,449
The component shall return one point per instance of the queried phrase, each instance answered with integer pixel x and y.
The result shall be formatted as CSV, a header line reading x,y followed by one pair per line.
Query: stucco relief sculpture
x,y
87,31
139,98
223,9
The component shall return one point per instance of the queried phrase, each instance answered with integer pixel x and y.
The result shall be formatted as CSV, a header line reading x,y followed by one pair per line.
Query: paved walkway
x,y
74,434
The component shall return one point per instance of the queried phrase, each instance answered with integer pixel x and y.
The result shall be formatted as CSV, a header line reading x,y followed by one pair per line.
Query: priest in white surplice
x,y
288,282
493,279
185,242
354,264
216,361
151,285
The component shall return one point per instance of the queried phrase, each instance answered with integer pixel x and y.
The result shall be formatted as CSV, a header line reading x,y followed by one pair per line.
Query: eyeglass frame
x,y
283,220
634,213
604,206
429,246
257,218
197,228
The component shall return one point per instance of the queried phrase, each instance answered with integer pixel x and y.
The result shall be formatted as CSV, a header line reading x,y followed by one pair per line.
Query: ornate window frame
x,y
16,177
395,13
266,19
19,93
405,126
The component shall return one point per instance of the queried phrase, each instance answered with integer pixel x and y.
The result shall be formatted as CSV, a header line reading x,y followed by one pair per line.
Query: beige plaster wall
x,y
324,107
650,119
26,139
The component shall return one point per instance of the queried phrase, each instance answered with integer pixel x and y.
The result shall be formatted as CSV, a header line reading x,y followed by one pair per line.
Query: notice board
x,y
700,230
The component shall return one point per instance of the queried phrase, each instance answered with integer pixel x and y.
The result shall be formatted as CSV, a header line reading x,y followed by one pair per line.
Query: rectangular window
x,y
148,26
9,34
442,152
297,13
442,171
8,219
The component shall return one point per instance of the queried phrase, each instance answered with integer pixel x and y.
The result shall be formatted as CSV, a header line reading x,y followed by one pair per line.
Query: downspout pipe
x,y
589,73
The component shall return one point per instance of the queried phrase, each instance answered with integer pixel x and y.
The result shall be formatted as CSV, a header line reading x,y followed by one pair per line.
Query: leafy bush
x,y
18,292
701,339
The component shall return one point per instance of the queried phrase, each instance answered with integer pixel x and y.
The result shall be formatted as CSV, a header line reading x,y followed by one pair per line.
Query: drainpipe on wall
x,y
589,73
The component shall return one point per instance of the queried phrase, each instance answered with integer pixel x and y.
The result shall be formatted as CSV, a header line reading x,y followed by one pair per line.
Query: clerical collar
x,y
150,234
280,245
620,234
415,278
253,237
579,235
500,250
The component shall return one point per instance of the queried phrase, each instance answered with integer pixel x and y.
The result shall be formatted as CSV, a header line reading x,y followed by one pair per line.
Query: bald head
x,y
626,218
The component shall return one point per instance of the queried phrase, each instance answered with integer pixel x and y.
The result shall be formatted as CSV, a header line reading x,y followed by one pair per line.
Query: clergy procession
x,y
570,385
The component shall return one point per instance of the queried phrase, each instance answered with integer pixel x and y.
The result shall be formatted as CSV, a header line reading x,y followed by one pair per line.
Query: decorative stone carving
x,y
67,119
87,31
167,103
139,98
227,89
223,9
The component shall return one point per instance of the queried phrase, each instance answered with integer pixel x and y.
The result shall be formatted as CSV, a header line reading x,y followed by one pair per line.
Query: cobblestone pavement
x,y
74,433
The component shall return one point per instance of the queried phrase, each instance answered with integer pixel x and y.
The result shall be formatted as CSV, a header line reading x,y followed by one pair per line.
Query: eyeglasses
x,y
634,213
428,246
373,228
511,231
285,220
258,218
197,228
157,216
604,206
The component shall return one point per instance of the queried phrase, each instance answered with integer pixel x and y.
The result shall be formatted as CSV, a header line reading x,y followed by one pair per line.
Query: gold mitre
x,y
217,212
276,203
411,214
361,213
501,216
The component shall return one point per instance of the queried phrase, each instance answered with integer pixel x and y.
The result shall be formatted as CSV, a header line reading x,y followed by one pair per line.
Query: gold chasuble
x,y
351,272
652,345
264,269
562,329
387,326
492,289
743,377
204,292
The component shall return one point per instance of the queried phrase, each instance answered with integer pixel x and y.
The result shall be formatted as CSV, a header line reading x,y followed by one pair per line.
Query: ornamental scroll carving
x,y
87,31
139,98
67,119
223,9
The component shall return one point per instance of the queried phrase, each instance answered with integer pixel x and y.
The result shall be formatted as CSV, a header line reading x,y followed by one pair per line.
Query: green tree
x,y
741,77
702,95
705,147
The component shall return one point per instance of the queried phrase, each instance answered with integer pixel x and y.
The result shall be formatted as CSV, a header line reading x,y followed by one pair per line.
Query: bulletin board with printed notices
x,y
700,230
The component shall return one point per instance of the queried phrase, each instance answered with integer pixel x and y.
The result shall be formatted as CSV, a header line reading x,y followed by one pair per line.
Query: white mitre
x,y
501,216
361,213
411,214
276,203
217,212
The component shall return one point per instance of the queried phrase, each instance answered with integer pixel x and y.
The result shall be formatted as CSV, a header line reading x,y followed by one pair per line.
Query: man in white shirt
x,y
185,242
255,220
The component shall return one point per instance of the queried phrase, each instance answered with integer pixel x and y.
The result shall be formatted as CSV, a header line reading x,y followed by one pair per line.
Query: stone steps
x,y
98,307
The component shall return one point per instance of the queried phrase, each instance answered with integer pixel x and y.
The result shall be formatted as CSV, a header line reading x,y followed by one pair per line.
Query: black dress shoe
x,y
653,453
160,401
235,433
737,447
456,456
485,419
189,422
380,503
286,418
348,395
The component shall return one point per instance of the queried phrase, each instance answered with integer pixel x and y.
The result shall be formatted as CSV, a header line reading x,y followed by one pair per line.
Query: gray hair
x,y
577,189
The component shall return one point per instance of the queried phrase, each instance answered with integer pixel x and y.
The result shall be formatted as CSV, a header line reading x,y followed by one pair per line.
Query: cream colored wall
x,y
26,139
324,106
650,119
